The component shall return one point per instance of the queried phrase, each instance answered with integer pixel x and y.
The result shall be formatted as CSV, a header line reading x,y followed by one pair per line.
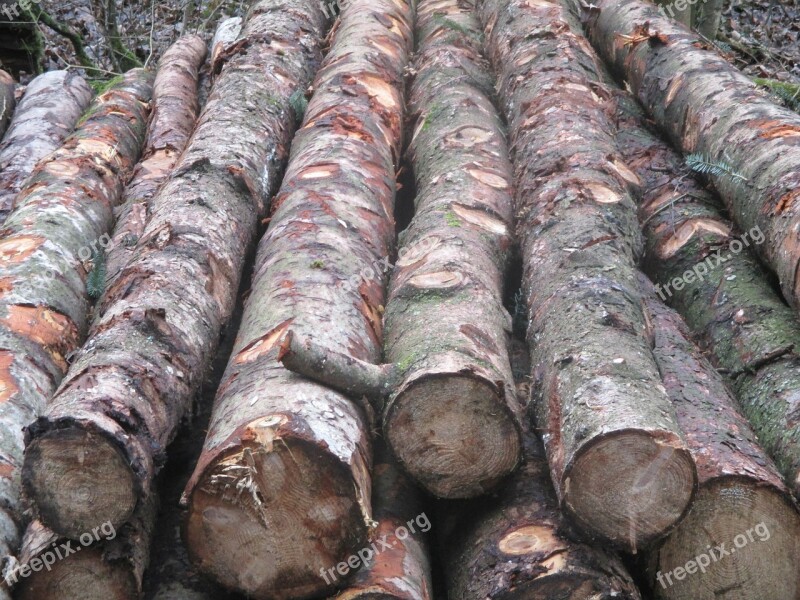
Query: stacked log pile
x,y
503,469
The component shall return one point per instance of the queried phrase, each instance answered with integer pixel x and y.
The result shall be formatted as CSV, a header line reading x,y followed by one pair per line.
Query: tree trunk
x,y
401,571
282,488
451,417
705,270
64,209
711,109
175,107
46,115
7,100
94,453
516,543
617,458
742,501
708,15
226,34
103,564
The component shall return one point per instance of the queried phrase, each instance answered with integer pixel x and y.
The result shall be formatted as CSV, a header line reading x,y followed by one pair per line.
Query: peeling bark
x,y
282,488
46,115
7,100
618,462
517,544
174,114
741,492
95,452
226,34
725,296
402,572
707,106
64,208
450,415
112,566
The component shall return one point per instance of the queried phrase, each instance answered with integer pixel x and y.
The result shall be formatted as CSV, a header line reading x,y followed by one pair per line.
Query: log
x,y
396,565
707,107
7,100
94,453
103,563
705,269
450,415
282,487
46,115
516,543
742,502
65,207
174,114
619,464
226,34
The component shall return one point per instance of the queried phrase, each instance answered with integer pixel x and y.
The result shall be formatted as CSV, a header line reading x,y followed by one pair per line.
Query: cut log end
x,y
268,523
80,480
431,427
634,485
84,574
748,536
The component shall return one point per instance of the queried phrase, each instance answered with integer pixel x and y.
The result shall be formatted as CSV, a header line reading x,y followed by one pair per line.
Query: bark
x,y
46,115
94,453
708,15
741,494
706,270
65,207
618,462
282,487
450,416
7,100
402,572
707,106
111,565
517,544
226,34
174,114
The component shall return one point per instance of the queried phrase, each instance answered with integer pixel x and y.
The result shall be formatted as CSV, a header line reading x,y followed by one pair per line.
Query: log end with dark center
x,y
631,487
80,479
454,435
270,523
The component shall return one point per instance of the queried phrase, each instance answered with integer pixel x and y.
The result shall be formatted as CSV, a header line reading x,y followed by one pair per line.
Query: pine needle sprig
x,y
705,165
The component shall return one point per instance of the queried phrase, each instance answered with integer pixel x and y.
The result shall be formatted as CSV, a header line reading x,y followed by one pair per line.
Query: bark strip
x,y
46,115
104,563
64,209
282,488
449,416
95,452
402,571
8,100
174,115
707,270
618,462
708,107
742,507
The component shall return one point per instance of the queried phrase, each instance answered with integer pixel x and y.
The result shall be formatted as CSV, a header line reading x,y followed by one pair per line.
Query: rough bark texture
x,y
707,106
174,114
402,572
46,115
7,100
282,488
617,458
517,545
450,416
94,454
740,488
65,207
226,34
110,567
705,269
